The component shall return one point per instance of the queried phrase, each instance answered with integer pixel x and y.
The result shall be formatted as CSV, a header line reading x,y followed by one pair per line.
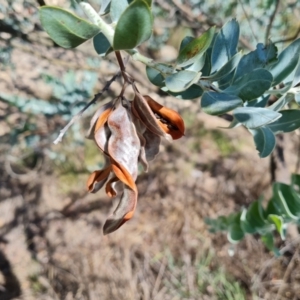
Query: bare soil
x,y
51,241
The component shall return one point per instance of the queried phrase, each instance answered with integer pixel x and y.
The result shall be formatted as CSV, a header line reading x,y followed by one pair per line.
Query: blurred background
x,y
51,241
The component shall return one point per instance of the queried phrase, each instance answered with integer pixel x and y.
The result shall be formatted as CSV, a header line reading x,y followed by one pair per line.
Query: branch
x,y
106,29
271,21
79,115
248,20
109,32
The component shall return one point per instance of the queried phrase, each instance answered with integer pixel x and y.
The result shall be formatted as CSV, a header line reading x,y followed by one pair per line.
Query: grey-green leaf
x,y
287,62
155,77
101,44
259,58
134,26
226,68
259,102
282,101
66,29
296,79
116,9
225,45
214,103
264,140
254,117
181,80
251,85
289,121
194,91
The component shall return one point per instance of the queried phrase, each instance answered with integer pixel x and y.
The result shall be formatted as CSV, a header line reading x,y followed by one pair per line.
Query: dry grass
x,y
51,242
52,230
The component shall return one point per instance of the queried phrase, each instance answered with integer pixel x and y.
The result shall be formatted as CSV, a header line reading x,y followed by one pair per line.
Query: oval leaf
x,y
259,58
101,44
287,62
254,117
197,65
251,85
194,91
227,68
66,29
282,101
186,40
268,240
282,195
292,198
116,9
134,26
235,233
225,45
264,140
296,79
195,48
181,80
289,121
155,77
259,102
255,215
214,103
245,225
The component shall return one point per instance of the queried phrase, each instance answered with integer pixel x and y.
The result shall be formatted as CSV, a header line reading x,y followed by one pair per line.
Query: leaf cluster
x,y
283,208
132,20
209,66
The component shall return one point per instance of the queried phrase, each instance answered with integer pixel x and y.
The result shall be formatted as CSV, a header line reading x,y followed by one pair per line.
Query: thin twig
x,y
126,76
271,21
287,273
159,277
247,17
257,279
120,60
79,115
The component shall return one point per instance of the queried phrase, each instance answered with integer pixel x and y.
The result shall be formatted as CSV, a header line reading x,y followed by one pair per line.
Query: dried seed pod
x,y
104,109
123,212
101,136
109,188
140,129
168,119
142,111
142,155
152,145
124,144
97,179
129,133
123,148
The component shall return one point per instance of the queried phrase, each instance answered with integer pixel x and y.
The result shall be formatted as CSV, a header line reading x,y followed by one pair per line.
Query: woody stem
x,y
120,61
122,67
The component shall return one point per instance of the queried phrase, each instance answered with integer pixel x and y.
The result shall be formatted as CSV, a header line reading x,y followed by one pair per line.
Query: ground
x,y
51,241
